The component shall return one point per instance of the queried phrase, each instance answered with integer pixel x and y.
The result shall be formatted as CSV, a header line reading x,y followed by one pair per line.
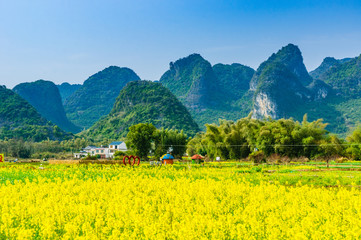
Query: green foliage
x,y
140,138
257,157
45,97
118,155
285,137
96,97
172,141
88,157
354,149
143,102
195,145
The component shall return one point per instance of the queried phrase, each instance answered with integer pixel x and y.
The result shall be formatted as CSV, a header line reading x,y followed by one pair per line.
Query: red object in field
x,y
197,156
130,158
168,161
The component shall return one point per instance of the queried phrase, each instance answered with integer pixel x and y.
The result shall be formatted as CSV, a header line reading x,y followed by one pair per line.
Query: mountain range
x,y
193,92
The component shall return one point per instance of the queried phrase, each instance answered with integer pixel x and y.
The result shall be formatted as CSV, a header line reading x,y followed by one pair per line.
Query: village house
x,y
102,152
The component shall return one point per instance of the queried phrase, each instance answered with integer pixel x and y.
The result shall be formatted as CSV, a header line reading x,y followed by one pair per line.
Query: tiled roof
x,y
115,143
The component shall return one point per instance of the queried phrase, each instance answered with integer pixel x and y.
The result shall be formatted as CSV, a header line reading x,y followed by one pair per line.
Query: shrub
x,y
118,155
341,160
88,157
257,157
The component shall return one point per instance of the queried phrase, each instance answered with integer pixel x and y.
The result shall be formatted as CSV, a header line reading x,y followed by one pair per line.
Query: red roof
x,y
197,156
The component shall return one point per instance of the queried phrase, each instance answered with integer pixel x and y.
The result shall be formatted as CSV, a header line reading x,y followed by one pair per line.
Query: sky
x,y
70,40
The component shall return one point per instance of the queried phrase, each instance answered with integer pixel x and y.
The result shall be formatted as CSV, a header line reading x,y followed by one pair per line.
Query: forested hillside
x,y
143,102
67,89
18,119
45,97
96,97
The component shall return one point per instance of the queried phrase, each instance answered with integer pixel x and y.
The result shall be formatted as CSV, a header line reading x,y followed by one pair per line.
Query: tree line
x,y
246,138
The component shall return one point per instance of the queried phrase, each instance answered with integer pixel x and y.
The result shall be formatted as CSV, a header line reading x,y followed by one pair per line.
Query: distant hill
x,y
143,102
280,84
233,80
345,77
334,95
193,81
96,97
18,119
291,58
326,65
45,97
67,89
210,93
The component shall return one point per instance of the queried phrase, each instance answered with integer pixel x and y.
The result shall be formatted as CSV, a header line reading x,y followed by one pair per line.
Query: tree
x,y
140,138
354,149
173,141
330,147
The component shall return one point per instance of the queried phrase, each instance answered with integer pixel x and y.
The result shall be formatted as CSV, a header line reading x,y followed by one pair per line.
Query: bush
x,y
41,155
257,157
118,155
341,160
88,157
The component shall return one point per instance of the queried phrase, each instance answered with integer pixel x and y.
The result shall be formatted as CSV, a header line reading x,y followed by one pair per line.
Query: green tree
x,y
330,147
354,149
170,140
140,138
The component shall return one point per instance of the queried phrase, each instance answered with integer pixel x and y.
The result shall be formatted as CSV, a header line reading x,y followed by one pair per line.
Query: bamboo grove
x,y
285,137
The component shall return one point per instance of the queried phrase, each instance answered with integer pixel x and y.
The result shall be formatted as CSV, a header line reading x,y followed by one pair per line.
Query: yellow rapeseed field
x,y
114,202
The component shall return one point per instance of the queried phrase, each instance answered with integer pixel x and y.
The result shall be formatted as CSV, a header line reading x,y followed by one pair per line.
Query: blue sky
x,y
69,40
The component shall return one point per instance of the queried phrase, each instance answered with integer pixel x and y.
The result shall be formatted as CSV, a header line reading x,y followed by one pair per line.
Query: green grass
x,y
313,173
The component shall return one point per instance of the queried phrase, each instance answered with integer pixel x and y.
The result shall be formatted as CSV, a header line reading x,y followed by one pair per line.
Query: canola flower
x,y
114,202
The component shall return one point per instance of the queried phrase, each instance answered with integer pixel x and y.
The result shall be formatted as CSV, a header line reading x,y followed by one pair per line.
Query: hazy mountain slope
x,y
45,97
345,78
18,119
96,97
67,89
326,65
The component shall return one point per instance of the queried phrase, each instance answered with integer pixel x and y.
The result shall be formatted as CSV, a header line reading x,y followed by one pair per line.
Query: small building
x,y
117,146
90,150
80,154
102,152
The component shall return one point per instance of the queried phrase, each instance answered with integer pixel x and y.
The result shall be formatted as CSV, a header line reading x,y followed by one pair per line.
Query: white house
x,y
103,152
80,154
117,146
94,151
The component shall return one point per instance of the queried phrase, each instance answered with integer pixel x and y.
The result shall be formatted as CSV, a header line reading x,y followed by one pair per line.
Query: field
x,y
231,200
